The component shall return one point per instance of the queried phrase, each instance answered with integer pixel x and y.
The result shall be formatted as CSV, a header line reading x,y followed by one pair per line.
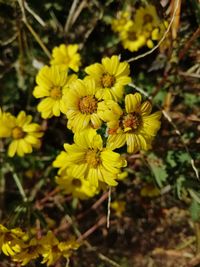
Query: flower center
x,y
76,182
56,93
132,36
18,133
93,158
131,122
147,19
107,80
88,105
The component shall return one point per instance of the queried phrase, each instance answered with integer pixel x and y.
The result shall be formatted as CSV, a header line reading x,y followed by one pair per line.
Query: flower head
x,y
120,22
24,134
111,76
147,17
134,126
66,56
6,119
88,159
78,187
52,84
10,240
81,107
132,37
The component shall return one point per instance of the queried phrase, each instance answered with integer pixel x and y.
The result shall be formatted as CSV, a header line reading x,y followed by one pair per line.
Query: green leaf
x,y
158,169
195,210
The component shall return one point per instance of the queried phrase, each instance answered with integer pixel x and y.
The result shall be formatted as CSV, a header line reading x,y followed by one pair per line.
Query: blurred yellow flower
x,y
147,17
119,207
10,240
49,250
68,247
134,126
52,84
111,76
88,159
5,121
66,56
30,251
79,188
24,134
132,37
120,22
149,190
81,105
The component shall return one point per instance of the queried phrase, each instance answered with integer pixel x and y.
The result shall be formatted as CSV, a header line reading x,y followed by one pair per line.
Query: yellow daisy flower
x,y
52,84
120,22
66,56
81,106
5,127
79,188
49,250
88,159
147,17
30,251
111,76
25,135
68,247
10,240
132,37
134,126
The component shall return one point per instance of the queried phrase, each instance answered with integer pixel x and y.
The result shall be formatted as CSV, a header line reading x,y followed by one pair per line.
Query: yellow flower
x,y
120,22
30,251
134,126
132,37
25,135
52,84
79,188
147,17
66,56
111,76
5,127
68,247
81,106
88,159
50,250
149,190
10,240
119,207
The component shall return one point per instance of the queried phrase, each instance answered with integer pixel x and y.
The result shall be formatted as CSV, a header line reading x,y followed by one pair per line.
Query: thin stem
x,y
108,211
18,183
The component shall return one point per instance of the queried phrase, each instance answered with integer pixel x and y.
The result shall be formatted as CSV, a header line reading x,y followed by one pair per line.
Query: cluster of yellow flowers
x,y
143,30
99,118
22,134
23,248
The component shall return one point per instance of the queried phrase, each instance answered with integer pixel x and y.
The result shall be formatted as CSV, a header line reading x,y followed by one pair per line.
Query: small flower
x,y
132,37
119,207
111,76
24,134
10,240
79,188
52,84
120,22
81,105
88,159
30,251
134,126
66,56
5,124
147,17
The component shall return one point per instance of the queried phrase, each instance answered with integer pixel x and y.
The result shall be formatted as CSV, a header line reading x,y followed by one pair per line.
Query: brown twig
x,y
188,44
